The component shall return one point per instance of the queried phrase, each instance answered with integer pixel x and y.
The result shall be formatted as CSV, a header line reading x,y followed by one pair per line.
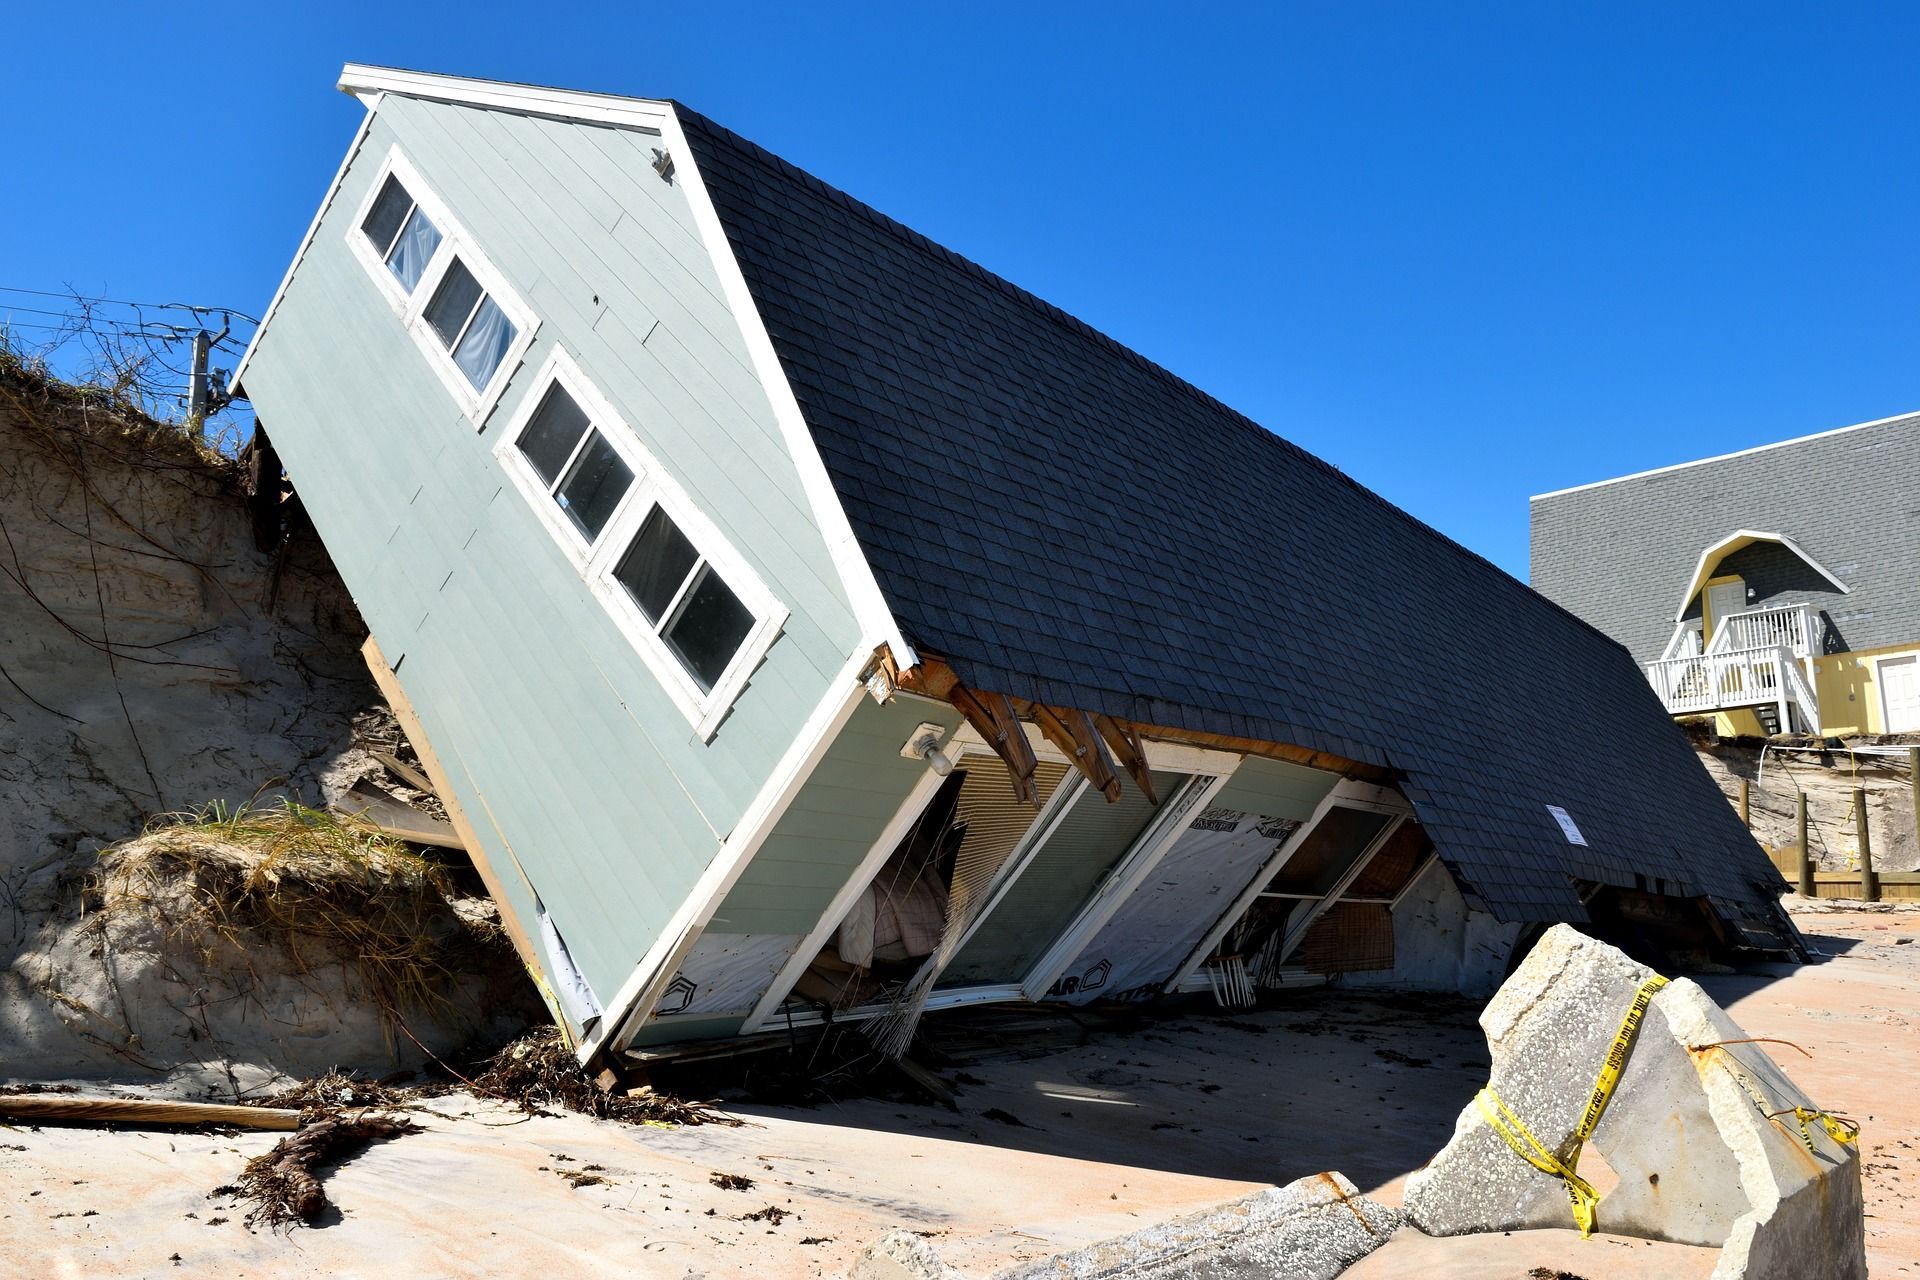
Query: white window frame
x,y
559,367
411,308
652,487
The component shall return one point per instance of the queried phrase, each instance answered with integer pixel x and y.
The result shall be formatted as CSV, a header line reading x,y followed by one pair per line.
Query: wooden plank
x,y
405,772
1125,744
398,819
142,1111
935,679
389,686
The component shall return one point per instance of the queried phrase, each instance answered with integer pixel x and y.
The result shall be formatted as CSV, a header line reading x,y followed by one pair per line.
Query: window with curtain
x,y
470,324
401,233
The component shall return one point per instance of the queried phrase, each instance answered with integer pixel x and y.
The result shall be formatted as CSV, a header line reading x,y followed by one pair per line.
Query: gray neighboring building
x,y
1713,572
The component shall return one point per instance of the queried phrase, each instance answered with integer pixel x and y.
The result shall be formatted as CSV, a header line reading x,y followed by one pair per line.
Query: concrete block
x,y
1312,1229
901,1255
1688,1131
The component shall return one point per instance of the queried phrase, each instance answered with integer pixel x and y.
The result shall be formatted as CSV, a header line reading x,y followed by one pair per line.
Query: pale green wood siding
x,y
852,795
818,844
1274,789
566,753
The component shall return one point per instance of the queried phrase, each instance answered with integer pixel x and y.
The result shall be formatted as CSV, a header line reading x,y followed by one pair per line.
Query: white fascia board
x,y
646,114
306,241
1722,457
870,610
1711,557
642,989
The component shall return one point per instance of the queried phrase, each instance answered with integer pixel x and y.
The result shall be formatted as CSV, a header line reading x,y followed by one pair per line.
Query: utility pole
x,y
197,378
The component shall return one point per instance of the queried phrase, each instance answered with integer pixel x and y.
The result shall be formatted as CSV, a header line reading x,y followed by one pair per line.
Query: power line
x,y
122,302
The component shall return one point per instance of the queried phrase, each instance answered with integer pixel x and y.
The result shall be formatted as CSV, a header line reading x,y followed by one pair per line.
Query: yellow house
x,y
1776,589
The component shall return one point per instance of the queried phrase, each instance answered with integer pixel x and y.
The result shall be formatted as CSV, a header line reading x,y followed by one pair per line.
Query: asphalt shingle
x,y
1134,547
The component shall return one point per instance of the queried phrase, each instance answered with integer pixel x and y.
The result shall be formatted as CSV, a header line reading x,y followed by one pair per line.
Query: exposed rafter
x,y
1094,743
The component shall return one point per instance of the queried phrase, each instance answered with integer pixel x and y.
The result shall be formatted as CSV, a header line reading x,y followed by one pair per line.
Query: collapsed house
x,y
802,623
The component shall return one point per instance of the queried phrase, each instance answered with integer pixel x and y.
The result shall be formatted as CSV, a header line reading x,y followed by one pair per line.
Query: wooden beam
x,y
143,1111
992,715
1124,741
933,678
1074,734
389,685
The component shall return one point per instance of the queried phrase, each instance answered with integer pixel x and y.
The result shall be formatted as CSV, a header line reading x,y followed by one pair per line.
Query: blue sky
x,y
1467,253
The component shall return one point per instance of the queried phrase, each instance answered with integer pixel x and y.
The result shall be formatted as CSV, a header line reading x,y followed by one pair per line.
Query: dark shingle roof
x,y
1066,521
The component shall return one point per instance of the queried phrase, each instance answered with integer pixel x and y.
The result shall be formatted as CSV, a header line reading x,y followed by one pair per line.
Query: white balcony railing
x,y
1723,678
1793,626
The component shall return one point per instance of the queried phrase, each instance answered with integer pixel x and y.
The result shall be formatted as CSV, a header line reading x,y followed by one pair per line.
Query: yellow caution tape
x,y
1843,1131
1580,1193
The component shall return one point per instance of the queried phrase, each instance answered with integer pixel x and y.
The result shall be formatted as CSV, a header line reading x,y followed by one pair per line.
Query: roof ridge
x,y
1809,438
1058,315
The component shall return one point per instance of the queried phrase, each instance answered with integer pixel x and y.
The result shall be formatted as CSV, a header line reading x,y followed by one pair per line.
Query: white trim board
x,y
627,1011
306,241
1718,551
1722,457
646,114
870,609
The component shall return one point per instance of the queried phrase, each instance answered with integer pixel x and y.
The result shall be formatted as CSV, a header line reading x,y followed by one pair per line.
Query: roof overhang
x,y
1737,540
367,83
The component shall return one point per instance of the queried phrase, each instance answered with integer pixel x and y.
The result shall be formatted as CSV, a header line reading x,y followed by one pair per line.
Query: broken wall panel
x,y
725,973
1065,869
806,865
1135,953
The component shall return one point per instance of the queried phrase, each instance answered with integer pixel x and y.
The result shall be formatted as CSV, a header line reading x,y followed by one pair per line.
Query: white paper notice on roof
x,y
1567,828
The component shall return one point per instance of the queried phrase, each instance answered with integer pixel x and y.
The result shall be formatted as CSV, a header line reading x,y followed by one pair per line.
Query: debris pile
x,y
284,1185
540,1075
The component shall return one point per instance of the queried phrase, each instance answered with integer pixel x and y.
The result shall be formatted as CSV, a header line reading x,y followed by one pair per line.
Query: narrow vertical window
x,y
581,470
690,606
400,233
470,324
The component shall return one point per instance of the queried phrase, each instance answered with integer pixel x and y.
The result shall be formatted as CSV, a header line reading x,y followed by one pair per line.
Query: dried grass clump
x,y
539,1074
326,891
107,411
